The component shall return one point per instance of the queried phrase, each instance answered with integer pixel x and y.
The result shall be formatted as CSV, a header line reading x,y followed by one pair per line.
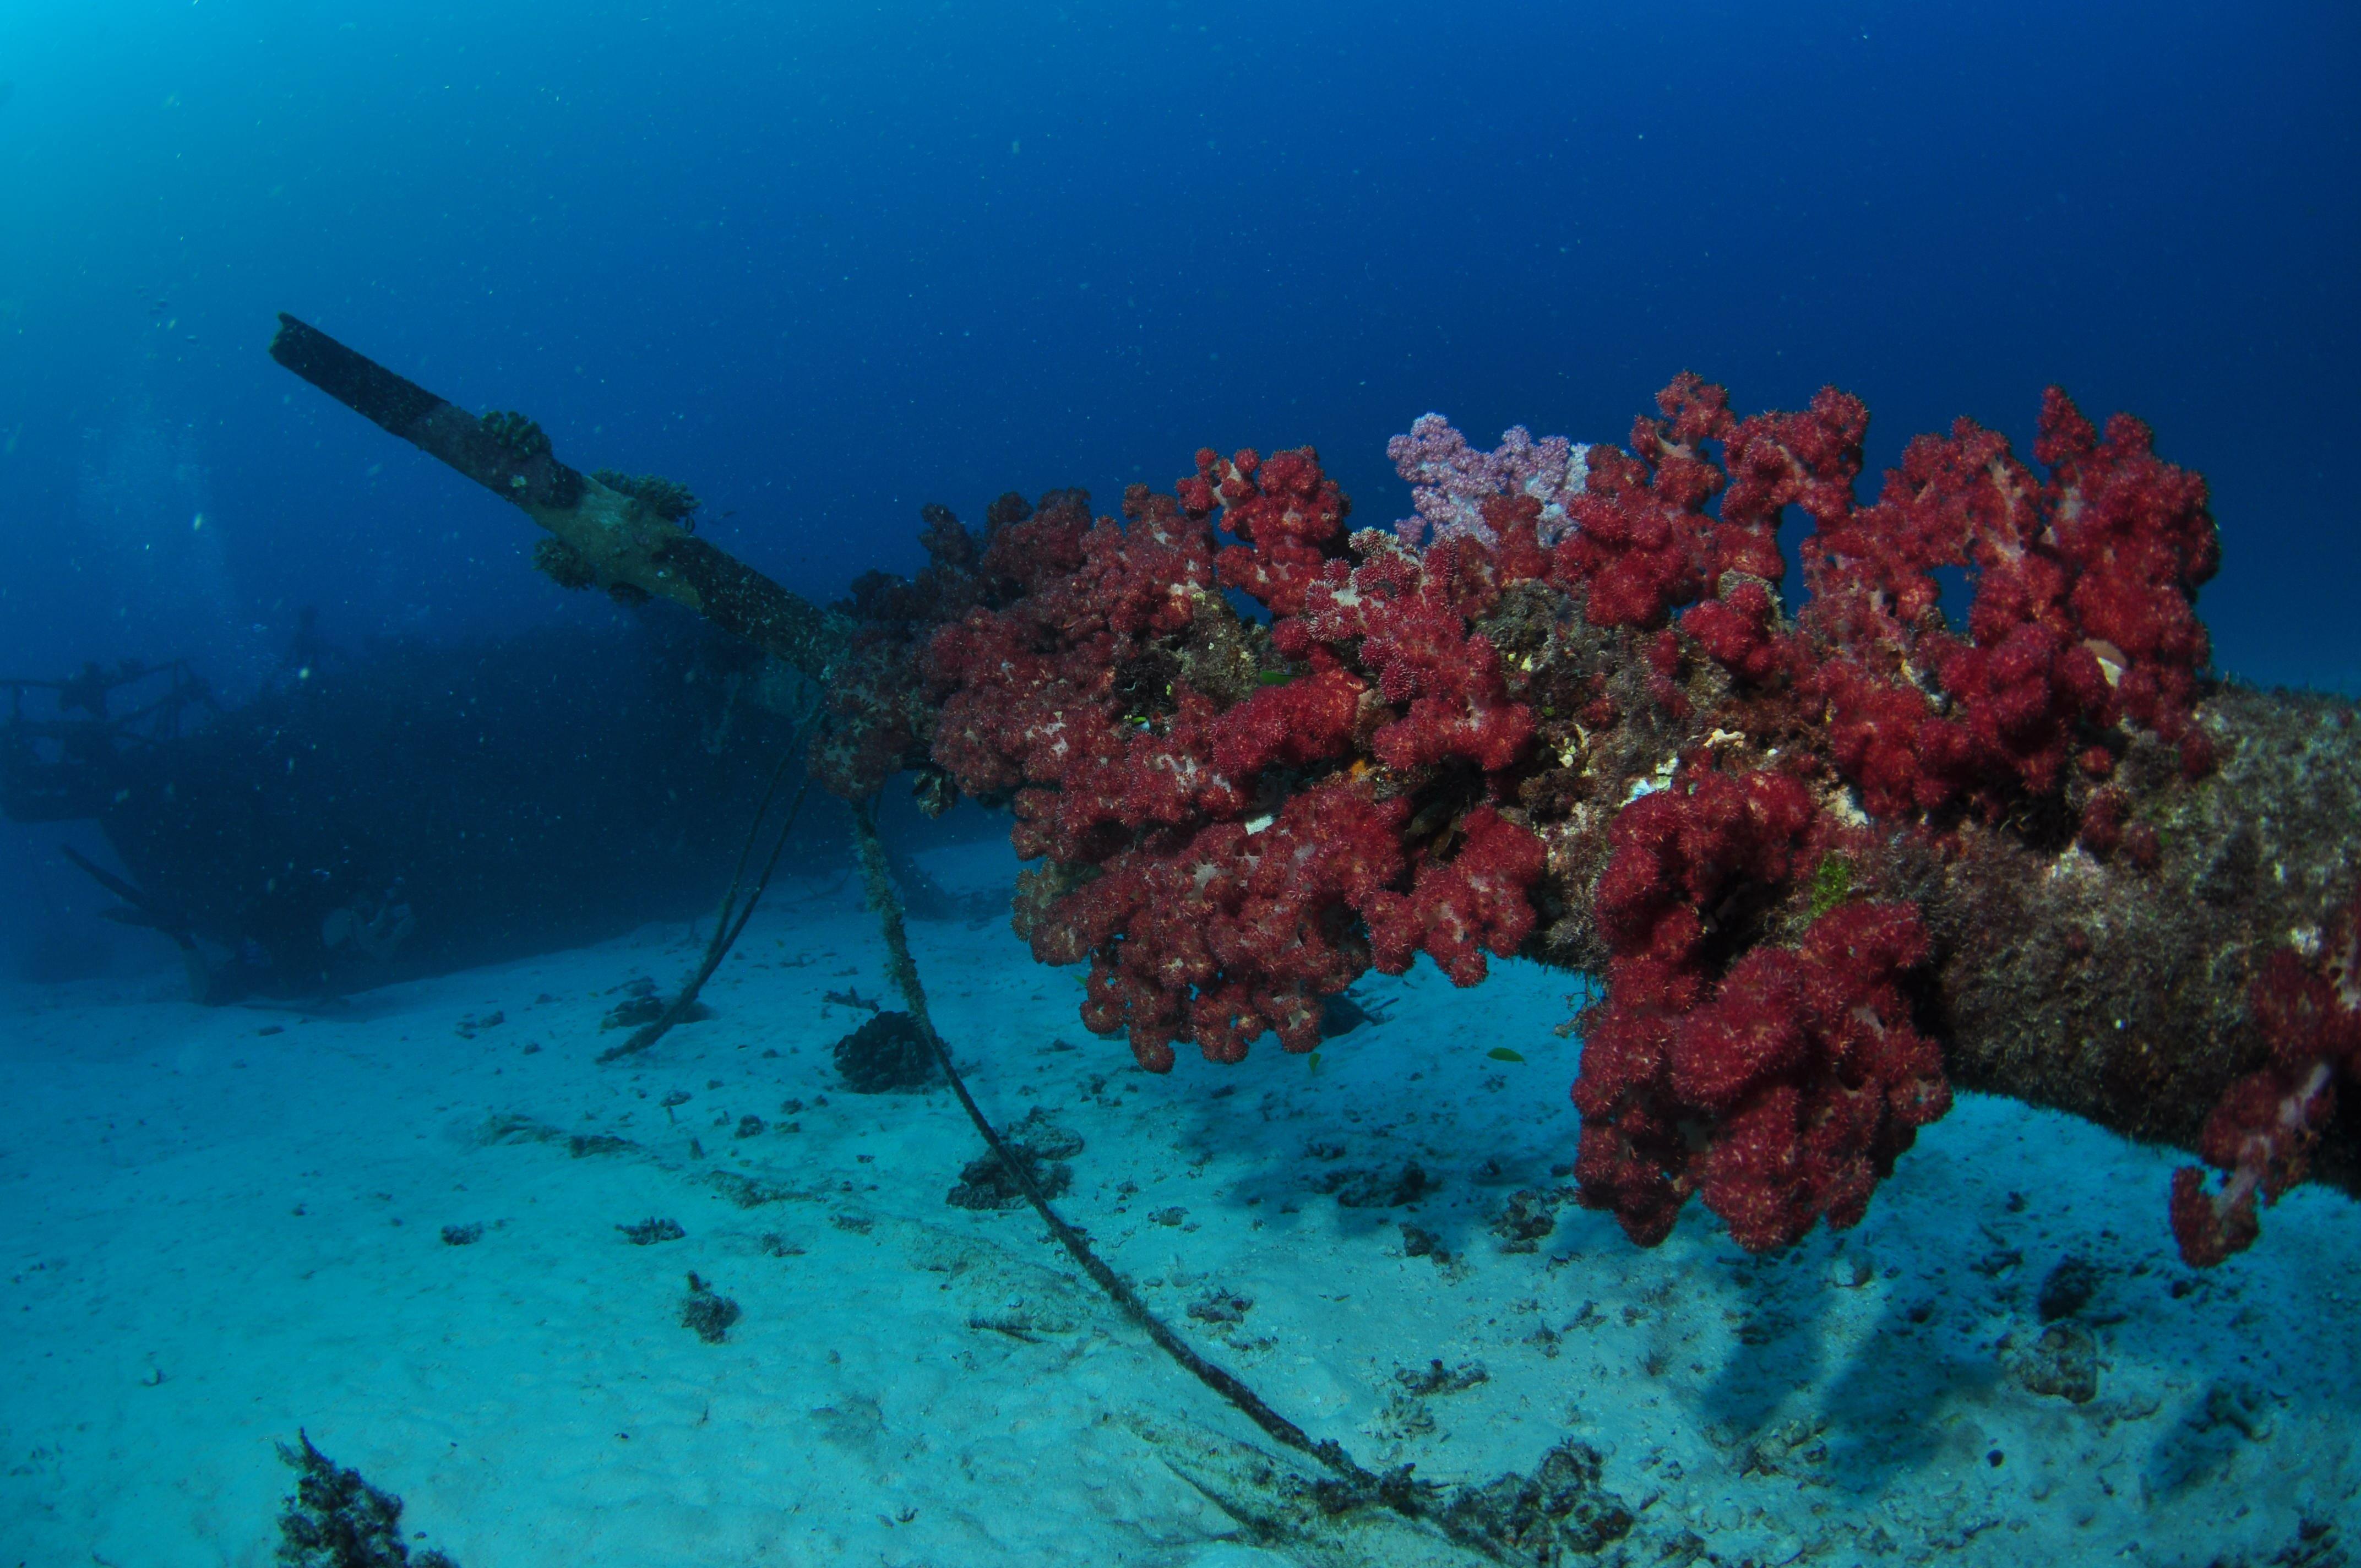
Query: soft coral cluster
x,y
1406,620
1287,515
1452,484
1226,854
1779,1082
1241,822
2306,1003
1233,931
2083,615
1645,542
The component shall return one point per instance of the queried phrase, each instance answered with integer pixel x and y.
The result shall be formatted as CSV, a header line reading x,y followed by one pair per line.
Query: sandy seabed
x,y
220,1226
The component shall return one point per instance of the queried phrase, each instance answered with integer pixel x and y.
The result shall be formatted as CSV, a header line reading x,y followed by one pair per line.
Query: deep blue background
x,y
826,265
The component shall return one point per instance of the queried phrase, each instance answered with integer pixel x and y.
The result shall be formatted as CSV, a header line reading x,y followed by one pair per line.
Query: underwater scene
x,y
1180,783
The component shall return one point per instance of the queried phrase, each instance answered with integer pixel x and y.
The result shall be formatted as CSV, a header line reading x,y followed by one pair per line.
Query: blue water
x,y
827,262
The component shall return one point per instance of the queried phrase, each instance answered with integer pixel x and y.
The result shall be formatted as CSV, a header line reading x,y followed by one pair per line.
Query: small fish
x,y
1343,1014
1502,1053
1315,1060
1275,677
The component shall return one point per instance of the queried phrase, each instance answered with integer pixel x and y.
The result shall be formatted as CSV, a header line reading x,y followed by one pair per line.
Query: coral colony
x,y
1237,820
1830,856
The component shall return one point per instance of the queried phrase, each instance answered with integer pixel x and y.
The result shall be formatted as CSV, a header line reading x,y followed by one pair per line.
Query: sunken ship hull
x,y
413,810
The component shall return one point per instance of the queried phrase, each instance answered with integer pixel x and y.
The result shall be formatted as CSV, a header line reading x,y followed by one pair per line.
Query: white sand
x,y
214,1235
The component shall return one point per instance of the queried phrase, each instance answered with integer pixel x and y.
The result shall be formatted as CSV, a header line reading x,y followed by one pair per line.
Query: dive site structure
x,y
385,812
1833,858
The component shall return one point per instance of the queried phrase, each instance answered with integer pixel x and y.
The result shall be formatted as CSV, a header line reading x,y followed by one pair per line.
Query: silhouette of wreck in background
x,y
413,809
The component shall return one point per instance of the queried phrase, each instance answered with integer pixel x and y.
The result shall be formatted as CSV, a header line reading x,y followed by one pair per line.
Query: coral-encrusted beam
x,y
1834,863
1835,859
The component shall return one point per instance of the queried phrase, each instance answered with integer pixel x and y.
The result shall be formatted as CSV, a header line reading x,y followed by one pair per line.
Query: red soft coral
x,y
2261,1132
1238,930
1644,541
1286,515
1458,909
2138,542
1781,1097
1308,720
1739,629
1780,1083
2083,612
1199,921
